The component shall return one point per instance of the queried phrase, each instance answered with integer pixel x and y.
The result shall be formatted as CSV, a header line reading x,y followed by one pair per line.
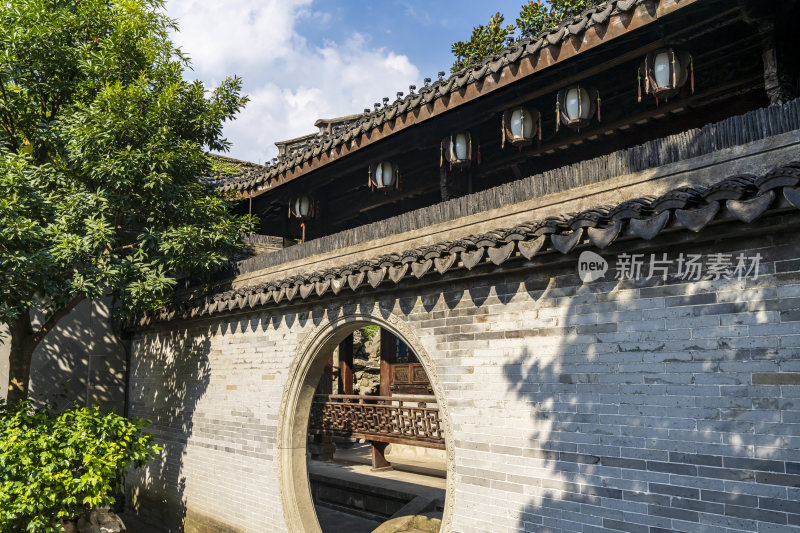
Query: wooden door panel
x,y
401,368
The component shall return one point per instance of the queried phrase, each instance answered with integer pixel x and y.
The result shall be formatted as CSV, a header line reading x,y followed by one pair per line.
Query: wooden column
x,y
322,447
777,82
387,360
326,382
443,183
346,366
379,461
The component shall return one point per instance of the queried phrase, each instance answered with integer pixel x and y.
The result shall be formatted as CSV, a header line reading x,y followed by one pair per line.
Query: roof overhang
x,y
597,26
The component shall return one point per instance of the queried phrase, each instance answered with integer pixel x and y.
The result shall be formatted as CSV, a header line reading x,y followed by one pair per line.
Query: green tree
x,y
533,18
484,41
102,142
57,467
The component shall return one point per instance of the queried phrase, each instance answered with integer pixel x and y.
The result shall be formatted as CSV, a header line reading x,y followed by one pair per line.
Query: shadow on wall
x,y
566,385
177,364
81,361
643,409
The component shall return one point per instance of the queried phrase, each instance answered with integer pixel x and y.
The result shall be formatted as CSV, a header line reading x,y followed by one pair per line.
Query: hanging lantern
x,y
384,175
576,105
521,125
665,72
303,207
457,149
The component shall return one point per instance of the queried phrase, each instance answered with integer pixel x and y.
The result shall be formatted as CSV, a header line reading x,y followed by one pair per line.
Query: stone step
x,y
333,521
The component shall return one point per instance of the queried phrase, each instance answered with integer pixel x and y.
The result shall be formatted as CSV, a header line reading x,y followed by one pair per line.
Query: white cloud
x,y
291,82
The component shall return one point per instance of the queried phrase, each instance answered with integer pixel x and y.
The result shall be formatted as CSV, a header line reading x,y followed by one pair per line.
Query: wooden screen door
x,y
401,371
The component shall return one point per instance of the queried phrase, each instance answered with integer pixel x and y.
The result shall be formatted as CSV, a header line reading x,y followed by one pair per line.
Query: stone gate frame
x,y
298,392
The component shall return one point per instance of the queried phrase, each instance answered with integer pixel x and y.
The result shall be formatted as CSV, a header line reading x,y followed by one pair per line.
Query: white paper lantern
x,y
665,72
662,69
303,206
457,149
576,106
384,175
521,125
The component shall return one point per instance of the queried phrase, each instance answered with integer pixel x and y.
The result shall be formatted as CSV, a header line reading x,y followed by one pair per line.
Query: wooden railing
x,y
410,420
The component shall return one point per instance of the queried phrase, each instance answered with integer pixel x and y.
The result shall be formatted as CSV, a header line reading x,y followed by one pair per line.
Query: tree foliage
x,y
484,41
368,332
102,142
59,466
534,17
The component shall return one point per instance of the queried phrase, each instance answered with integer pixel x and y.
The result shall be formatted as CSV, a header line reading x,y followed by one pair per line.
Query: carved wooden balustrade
x,y
410,420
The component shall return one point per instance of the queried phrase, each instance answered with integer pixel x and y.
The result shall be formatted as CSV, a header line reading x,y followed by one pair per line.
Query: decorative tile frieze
x,y
746,198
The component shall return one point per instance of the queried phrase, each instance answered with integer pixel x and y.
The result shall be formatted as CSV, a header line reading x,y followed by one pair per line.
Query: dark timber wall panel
x,y
734,131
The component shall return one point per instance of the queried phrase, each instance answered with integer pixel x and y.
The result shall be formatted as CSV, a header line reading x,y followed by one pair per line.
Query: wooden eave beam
x,y
620,59
603,129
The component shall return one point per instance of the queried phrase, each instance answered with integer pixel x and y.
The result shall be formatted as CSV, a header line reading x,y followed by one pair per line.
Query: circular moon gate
x,y
298,394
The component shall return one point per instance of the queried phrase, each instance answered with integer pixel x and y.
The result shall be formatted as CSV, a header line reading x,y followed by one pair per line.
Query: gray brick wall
x,y
640,406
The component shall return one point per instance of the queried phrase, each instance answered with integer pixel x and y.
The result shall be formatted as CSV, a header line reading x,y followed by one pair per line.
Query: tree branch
x,y
9,126
53,319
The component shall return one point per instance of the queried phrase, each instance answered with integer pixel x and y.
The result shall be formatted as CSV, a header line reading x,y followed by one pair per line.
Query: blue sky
x,y
306,59
421,30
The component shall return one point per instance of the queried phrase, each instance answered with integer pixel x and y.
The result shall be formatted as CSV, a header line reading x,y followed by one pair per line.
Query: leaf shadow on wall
x,y
81,361
173,374
631,407
558,380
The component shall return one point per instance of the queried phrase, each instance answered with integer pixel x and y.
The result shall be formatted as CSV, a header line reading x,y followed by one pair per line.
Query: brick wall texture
x,y
641,406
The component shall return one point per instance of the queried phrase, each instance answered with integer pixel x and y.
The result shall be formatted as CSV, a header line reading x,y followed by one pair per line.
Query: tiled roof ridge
x,y
593,15
745,196
298,139
251,169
